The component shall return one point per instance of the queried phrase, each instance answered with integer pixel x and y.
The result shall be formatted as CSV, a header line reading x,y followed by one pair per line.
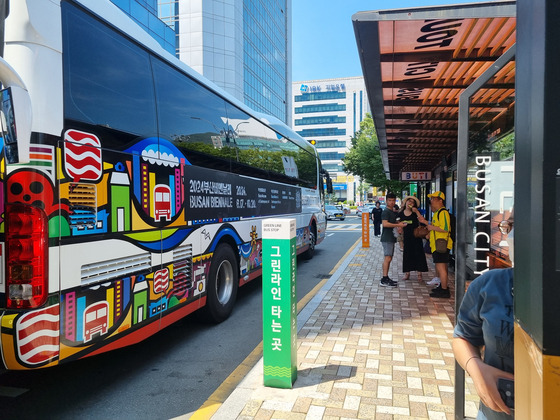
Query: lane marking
x,y
346,226
215,401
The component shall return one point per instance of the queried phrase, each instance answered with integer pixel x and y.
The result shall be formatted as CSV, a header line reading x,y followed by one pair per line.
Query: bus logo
x,y
82,156
96,320
161,280
38,334
162,202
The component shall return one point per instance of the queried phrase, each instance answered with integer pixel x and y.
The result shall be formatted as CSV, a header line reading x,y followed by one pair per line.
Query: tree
x,y
330,198
364,159
506,146
363,188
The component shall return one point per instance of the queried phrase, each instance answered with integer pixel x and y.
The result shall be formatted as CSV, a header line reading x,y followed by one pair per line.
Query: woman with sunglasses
x,y
414,258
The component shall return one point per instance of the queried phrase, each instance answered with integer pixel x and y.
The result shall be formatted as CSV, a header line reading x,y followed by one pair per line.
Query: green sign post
x,y
279,302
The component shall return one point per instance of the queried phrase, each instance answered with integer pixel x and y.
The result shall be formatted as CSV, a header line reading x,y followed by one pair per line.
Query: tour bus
x,y
132,190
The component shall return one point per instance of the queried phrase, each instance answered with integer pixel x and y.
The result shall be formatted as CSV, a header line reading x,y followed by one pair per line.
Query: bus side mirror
x,y
15,120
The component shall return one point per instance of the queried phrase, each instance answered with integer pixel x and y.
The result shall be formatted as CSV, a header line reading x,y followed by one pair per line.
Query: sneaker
x,y
387,282
436,288
434,282
440,293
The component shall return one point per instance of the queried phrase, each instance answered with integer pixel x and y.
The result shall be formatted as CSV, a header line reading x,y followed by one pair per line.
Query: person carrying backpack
x,y
440,241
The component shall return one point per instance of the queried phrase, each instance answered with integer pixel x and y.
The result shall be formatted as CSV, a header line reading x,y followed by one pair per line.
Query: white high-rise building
x,y
329,111
244,46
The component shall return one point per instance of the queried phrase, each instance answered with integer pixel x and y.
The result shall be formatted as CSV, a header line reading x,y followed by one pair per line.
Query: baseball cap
x,y
437,194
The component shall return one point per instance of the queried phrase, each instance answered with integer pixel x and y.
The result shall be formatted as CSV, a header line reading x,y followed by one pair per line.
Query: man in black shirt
x,y
389,221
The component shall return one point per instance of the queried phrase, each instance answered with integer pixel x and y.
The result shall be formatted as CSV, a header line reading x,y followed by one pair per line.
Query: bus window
x,y
108,80
259,146
191,116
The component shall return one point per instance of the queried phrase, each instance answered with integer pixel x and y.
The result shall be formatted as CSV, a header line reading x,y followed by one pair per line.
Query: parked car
x,y
365,208
333,212
344,208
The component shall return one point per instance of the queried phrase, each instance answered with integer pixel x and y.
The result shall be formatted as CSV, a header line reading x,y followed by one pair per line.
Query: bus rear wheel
x,y
222,284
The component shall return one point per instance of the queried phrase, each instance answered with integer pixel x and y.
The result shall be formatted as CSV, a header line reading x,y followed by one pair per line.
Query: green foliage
x,y
364,159
331,198
363,188
506,146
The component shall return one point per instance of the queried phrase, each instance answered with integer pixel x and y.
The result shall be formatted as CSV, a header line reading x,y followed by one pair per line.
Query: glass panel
x,y
217,135
192,117
490,181
260,147
107,79
490,173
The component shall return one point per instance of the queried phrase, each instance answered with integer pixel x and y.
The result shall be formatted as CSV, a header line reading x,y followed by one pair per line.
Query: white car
x,y
366,208
344,208
334,212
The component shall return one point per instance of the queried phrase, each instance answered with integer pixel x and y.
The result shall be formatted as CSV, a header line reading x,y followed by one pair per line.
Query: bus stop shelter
x,y
416,63
448,111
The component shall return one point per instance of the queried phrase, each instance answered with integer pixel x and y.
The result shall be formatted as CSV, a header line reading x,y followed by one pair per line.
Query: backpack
x,y
452,221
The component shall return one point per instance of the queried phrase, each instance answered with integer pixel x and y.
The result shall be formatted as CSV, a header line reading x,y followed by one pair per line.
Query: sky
x,y
323,40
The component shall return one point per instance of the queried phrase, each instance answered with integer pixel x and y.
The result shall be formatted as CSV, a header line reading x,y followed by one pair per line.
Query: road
x,y
174,372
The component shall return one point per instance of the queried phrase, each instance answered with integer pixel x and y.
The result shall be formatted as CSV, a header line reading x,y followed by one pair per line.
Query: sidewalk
x,y
364,352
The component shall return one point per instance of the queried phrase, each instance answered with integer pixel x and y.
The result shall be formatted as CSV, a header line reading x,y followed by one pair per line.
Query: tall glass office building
x,y
329,111
145,13
241,45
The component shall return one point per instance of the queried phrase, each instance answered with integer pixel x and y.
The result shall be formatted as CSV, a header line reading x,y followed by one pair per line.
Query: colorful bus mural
x,y
121,211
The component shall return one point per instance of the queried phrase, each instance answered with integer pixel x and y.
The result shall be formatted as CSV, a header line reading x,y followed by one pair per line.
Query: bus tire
x,y
222,284
308,254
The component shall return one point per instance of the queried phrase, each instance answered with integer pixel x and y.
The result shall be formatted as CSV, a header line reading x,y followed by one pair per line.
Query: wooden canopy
x,y
416,62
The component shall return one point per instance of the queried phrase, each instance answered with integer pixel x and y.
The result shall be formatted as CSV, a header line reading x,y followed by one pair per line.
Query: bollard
x,y
279,302
365,230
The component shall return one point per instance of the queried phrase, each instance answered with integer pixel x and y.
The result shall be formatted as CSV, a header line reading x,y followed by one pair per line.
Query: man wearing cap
x,y
440,228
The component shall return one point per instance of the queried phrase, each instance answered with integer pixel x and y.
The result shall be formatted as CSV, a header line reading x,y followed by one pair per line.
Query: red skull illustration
x,y
32,188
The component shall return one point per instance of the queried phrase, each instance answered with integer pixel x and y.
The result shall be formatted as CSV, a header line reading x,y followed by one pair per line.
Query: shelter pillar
x,y
537,211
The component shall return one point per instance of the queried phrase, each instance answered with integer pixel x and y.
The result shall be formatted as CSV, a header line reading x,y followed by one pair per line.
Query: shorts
x,y
440,257
388,248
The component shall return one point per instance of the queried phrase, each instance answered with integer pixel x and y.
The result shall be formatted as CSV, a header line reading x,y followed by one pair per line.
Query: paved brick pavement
x,y
364,352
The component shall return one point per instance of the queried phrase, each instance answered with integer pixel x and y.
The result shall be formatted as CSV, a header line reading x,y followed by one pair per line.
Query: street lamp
x,y
220,131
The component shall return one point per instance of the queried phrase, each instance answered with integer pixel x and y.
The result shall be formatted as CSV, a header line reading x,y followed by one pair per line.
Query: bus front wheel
x,y
222,284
